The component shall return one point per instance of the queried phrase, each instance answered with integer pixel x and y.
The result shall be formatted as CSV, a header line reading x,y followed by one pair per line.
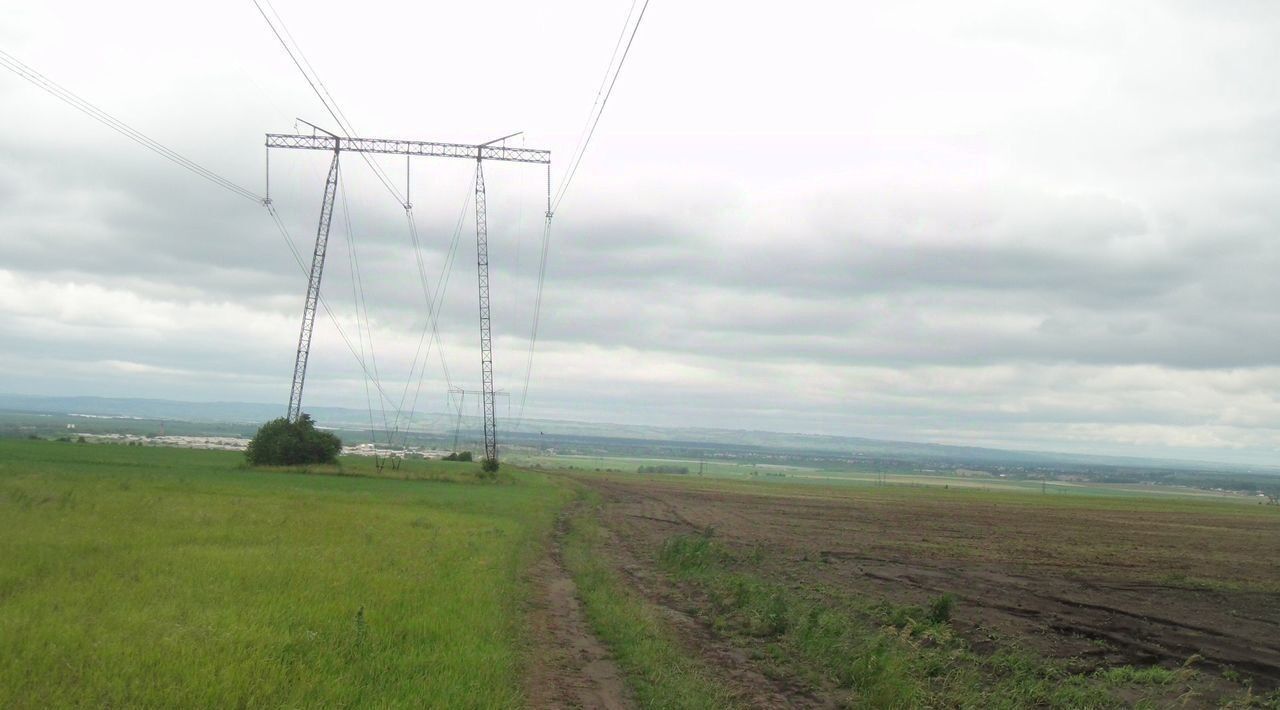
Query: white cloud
x,y
1046,225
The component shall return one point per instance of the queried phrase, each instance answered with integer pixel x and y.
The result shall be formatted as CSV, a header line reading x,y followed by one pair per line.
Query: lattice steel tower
x,y
478,153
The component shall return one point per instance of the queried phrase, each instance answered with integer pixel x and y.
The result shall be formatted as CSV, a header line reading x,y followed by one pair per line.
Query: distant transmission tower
x,y
479,153
462,398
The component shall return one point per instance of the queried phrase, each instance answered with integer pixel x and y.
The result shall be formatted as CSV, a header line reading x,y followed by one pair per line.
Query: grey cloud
x,y
1087,213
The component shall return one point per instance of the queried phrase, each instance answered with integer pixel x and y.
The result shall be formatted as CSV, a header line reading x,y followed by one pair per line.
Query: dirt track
x,y
571,668
1076,583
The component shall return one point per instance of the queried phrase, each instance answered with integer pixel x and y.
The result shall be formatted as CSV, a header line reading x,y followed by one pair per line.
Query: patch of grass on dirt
x,y
1153,675
157,577
887,655
658,670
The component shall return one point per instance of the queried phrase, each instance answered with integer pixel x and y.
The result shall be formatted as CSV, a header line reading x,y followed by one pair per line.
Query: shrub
x,y
280,442
455,456
490,465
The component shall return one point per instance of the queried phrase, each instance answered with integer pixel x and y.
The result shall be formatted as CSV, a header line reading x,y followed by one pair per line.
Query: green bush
x,y
490,465
455,456
280,442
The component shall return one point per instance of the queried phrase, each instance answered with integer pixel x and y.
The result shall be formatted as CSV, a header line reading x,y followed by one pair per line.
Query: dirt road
x,y
570,667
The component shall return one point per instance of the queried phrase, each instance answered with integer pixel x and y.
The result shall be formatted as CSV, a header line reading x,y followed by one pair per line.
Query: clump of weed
x,y
940,609
771,618
914,618
897,616
693,553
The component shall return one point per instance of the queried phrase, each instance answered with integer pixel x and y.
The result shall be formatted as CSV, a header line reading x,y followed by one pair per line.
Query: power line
x,y
53,88
604,81
564,187
344,124
593,118
537,314
331,100
361,304
60,92
433,318
56,90
322,93
284,232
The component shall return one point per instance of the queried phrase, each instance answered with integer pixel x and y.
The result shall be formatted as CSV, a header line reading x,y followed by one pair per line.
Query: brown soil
x,y
1100,586
570,668
746,680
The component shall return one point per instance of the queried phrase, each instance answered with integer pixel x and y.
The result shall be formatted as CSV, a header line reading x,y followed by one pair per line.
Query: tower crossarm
x,y
411,148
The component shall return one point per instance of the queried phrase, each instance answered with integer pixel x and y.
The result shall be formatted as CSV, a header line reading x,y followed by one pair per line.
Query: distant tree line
x,y
663,469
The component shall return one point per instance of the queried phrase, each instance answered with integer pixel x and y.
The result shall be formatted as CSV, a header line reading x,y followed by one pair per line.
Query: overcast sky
x,y
1022,224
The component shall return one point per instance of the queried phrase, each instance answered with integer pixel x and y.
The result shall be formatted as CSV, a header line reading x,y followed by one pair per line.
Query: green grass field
x,y
144,576
835,479
137,576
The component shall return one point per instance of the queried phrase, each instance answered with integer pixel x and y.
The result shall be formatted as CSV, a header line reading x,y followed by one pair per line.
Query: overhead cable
x,y
284,233
593,120
60,92
322,93
577,160
361,305
435,304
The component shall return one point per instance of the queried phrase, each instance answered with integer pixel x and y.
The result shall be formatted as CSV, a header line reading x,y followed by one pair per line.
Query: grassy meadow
x,y
836,481
134,576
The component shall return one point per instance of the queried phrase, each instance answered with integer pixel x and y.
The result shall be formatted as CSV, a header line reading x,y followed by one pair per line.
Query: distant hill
x,y
625,436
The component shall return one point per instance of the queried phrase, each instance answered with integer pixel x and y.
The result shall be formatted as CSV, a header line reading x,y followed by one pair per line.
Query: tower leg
x,y
486,337
313,291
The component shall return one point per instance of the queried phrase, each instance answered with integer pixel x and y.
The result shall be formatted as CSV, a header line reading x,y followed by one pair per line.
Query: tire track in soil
x,y
750,685
570,667
1141,622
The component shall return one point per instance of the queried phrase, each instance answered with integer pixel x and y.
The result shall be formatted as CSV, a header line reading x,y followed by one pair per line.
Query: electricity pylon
x,y
462,398
478,153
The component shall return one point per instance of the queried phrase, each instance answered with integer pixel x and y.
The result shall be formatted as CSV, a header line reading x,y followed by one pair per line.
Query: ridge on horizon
x,y
224,412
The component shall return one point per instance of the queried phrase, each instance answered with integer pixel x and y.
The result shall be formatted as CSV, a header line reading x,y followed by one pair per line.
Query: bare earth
x,y
571,668
1101,586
